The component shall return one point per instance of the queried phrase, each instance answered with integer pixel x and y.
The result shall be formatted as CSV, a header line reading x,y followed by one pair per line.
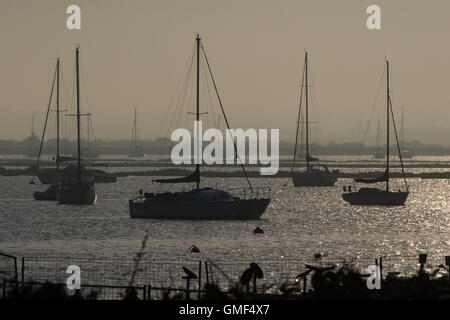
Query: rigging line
x,y
45,124
183,102
210,103
172,99
91,124
224,115
298,120
182,87
373,107
68,127
398,145
84,88
315,104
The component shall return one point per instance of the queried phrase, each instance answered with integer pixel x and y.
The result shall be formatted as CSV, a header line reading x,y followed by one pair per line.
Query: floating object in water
x,y
258,230
317,256
194,249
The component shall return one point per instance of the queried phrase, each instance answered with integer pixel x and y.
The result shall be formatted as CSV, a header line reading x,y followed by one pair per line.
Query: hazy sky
x,y
133,53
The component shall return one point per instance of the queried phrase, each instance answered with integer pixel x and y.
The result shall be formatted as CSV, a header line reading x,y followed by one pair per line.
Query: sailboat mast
x,y
198,104
387,124
78,115
306,110
57,114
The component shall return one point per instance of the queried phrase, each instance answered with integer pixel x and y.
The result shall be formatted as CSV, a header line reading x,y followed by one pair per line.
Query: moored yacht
x,y
80,192
317,175
376,196
199,203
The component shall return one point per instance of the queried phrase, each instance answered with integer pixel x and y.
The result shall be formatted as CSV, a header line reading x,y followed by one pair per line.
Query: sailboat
x,y
375,196
379,154
136,150
317,174
81,192
50,194
405,153
199,203
66,175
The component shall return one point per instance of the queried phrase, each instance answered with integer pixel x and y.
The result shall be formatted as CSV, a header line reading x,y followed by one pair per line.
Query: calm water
x,y
298,223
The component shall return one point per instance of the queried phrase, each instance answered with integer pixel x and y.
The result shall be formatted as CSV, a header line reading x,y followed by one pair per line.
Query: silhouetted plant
x,y
130,292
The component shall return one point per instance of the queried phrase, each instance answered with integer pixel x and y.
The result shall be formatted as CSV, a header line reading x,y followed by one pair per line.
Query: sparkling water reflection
x,y
298,223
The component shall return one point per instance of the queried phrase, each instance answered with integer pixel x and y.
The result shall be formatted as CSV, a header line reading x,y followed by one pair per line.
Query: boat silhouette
x,y
199,203
376,196
317,175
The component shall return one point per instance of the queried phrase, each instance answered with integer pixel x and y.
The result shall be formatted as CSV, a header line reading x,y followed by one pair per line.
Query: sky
x,y
133,54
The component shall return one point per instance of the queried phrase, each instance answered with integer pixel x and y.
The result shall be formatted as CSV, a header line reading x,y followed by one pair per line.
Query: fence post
x,y
4,288
144,293
381,268
207,274
188,281
199,278
16,274
23,273
149,292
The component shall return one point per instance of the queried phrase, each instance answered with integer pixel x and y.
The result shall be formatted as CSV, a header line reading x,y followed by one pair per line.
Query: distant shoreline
x,y
238,174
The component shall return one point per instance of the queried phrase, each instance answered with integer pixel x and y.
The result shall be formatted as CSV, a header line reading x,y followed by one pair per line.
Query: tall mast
x,y
387,124
306,110
57,114
78,115
198,103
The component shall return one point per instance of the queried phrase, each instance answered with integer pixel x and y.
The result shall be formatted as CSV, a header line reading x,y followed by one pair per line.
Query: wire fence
x,y
107,278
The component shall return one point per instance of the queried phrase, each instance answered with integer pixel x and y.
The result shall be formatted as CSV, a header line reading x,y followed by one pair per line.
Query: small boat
x,y
66,175
376,196
199,203
136,150
317,175
80,192
314,175
50,194
77,193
